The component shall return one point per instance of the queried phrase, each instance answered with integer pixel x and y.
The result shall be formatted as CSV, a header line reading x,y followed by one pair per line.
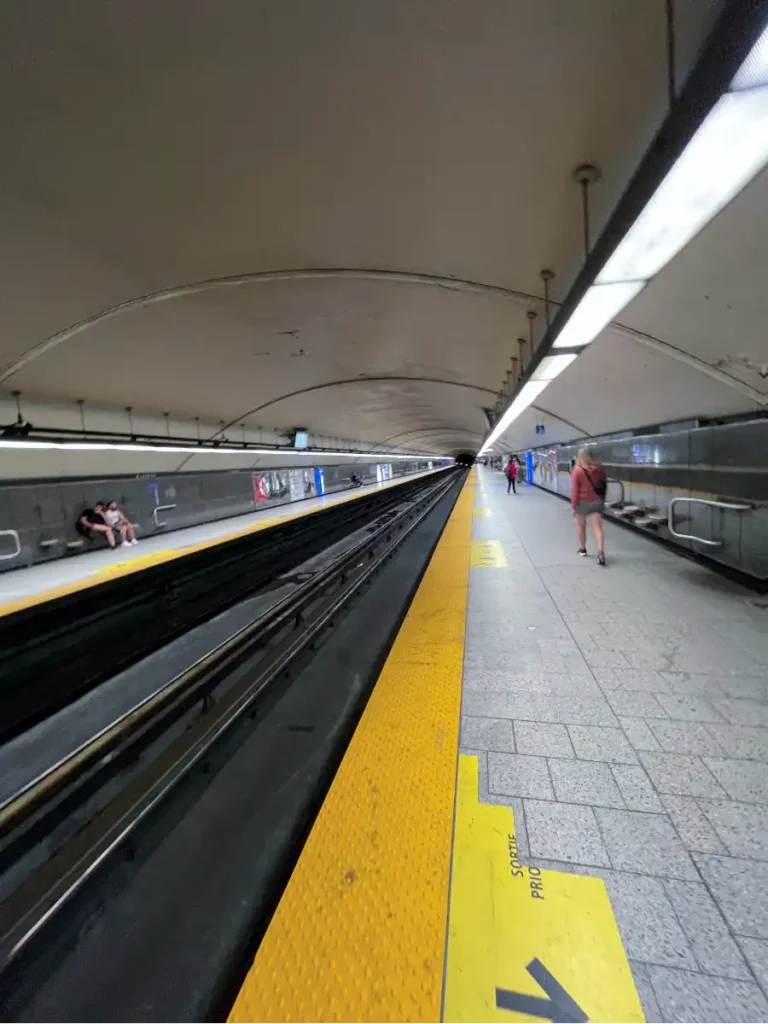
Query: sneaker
x,y
133,542
582,552
600,558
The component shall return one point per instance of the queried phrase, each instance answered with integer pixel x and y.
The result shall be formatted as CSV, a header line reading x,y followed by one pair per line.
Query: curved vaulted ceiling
x,y
284,213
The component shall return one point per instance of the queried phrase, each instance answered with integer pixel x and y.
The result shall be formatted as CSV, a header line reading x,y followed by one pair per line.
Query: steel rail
x,y
49,888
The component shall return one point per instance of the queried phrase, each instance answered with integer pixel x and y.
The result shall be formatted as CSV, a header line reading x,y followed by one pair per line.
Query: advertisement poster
x,y
270,486
301,484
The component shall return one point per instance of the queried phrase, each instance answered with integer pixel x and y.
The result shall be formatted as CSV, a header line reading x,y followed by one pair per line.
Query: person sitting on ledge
x,y
93,521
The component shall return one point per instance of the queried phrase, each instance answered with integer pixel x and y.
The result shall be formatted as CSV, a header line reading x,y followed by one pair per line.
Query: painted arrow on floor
x,y
560,1008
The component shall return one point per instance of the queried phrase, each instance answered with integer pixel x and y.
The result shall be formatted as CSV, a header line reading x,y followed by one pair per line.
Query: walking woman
x,y
588,490
511,474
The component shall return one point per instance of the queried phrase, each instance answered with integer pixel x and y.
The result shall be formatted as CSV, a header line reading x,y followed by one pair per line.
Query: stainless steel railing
x,y
161,508
722,505
17,552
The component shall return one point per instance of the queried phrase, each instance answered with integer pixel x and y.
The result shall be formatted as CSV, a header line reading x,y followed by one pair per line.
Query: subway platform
x,y
555,805
23,588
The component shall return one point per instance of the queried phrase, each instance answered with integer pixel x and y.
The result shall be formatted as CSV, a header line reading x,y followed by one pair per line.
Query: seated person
x,y
93,521
119,522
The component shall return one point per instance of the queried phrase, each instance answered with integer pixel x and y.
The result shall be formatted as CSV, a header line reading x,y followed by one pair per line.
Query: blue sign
x,y
539,428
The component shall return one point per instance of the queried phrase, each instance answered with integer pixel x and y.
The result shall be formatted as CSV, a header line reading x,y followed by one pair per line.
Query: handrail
x,y
727,505
17,552
611,480
161,508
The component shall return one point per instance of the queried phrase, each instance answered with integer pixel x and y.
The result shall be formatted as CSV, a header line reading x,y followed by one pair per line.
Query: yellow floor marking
x,y
482,510
132,565
359,934
488,554
511,924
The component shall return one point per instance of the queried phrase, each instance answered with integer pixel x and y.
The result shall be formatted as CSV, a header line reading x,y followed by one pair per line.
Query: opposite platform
x,y
23,588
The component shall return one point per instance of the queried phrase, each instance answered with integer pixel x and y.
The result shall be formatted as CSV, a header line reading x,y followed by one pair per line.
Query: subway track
x,y
55,651
139,872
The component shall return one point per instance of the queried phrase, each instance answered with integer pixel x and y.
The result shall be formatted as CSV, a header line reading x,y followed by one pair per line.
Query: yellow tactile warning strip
x,y
359,934
125,568
526,944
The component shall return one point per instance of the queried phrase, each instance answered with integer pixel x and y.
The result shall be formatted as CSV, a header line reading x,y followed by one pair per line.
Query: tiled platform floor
x,y
623,714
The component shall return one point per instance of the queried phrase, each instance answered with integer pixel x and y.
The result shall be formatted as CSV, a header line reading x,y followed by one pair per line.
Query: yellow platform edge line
x,y
359,934
142,562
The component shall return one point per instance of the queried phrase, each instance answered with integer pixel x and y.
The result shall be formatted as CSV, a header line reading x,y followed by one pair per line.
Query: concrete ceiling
x,y
351,203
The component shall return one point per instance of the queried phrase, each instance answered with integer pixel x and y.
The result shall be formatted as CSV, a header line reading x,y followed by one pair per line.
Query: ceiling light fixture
x,y
106,446
553,366
715,159
529,393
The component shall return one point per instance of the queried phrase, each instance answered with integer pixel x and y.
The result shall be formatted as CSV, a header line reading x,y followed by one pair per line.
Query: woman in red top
x,y
511,474
588,487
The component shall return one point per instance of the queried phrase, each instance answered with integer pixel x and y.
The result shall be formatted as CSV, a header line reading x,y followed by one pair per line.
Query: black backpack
x,y
600,488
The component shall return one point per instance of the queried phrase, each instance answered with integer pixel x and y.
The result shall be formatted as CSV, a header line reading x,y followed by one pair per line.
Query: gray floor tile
x,y
644,988
646,843
756,952
691,824
487,734
543,739
688,708
486,704
740,889
685,738
607,659
633,679
648,925
636,703
750,687
708,935
742,741
584,782
685,996
681,775
638,733
742,712
651,661
513,681
636,788
601,743
537,707
742,780
693,683
519,775
566,832
742,827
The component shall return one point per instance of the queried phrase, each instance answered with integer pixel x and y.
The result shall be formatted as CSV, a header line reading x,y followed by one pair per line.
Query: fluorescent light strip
x,y
529,393
726,153
552,366
729,149
105,446
754,71
600,305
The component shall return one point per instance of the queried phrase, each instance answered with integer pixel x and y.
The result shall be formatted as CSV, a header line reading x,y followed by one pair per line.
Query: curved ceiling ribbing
x,y
400,137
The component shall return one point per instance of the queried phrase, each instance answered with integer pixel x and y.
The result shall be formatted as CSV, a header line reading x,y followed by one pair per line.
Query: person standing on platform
x,y
511,474
588,489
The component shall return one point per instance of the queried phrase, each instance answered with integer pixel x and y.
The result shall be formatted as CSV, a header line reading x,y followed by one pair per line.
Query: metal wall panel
x,y
722,462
